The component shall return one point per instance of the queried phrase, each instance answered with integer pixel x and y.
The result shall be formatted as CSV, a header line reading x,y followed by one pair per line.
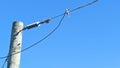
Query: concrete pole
x,y
15,45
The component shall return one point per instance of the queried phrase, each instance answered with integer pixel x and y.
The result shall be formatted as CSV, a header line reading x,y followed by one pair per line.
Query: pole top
x,y
18,23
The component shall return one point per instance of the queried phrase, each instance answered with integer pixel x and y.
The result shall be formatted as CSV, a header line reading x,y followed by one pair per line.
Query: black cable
x,y
88,4
53,29
39,40
83,6
46,35
57,16
4,63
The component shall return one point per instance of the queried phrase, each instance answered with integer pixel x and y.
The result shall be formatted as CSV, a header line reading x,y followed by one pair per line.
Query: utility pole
x,y
15,45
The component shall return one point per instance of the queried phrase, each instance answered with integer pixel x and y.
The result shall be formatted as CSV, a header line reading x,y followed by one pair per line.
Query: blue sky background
x,y
87,38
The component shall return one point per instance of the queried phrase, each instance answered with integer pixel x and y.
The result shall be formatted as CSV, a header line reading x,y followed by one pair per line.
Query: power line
x,y
36,42
36,24
39,40
46,35
88,4
47,21
83,6
4,63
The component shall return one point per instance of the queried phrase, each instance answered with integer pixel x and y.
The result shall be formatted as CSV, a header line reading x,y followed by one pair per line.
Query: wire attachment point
x,y
47,20
67,12
36,24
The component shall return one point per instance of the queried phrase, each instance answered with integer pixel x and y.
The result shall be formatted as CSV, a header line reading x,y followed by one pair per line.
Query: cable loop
x,y
67,12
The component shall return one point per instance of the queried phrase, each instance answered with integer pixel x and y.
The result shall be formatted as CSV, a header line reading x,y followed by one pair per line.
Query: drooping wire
x,y
63,14
39,40
4,63
36,42
46,35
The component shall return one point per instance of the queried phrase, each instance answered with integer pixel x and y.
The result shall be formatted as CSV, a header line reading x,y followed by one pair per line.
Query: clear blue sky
x,y
87,38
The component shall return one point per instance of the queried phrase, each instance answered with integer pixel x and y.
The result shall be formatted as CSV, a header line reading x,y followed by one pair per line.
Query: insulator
x,y
36,24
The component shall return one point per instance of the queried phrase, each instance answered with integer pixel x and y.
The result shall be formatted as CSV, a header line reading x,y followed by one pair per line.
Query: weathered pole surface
x,y
15,45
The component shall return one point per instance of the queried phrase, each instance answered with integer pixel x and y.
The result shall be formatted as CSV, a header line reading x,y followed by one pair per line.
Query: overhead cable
x,y
72,10
39,40
4,63
47,21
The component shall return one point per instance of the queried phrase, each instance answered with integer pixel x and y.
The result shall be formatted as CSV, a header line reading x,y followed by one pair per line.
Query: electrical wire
x,y
39,40
36,42
46,35
88,4
4,63
63,14
83,6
